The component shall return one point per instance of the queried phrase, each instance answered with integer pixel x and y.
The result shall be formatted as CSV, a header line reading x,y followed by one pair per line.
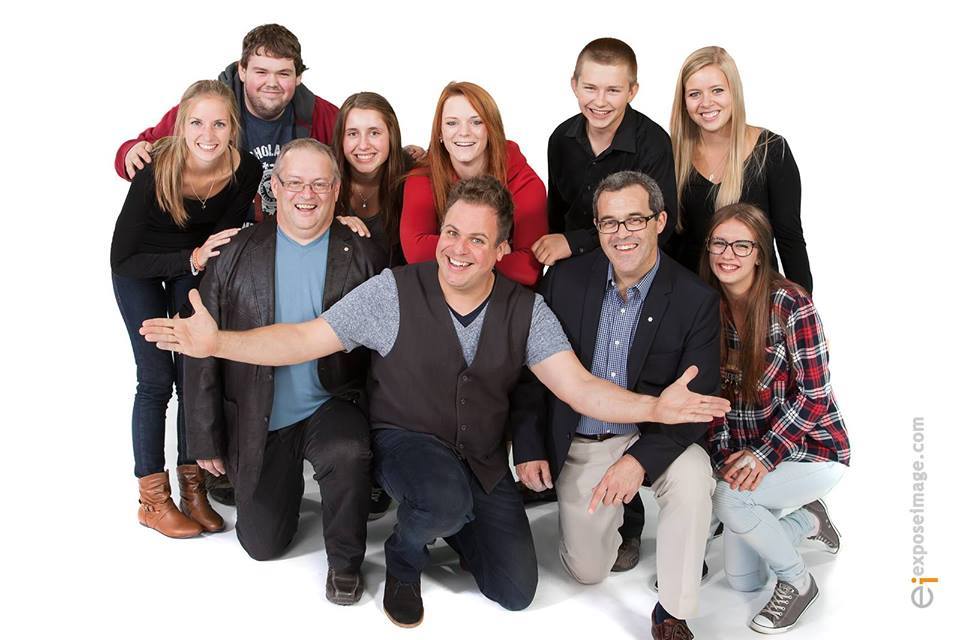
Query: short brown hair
x,y
272,40
608,51
489,191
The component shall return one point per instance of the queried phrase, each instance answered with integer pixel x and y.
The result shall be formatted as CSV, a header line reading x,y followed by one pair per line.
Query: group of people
x,y
382,312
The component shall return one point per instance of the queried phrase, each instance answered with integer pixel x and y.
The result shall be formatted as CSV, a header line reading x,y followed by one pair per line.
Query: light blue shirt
x,y
299,281
618,323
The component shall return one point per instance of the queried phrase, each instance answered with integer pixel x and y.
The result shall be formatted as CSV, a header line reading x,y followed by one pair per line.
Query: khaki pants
x,y
589,542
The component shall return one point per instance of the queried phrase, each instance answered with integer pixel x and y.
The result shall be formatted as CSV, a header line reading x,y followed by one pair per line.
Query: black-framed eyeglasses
x,y
633,222
320,187
741,248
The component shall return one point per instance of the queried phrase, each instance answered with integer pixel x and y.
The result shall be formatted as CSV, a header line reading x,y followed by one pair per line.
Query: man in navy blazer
x,y
637,318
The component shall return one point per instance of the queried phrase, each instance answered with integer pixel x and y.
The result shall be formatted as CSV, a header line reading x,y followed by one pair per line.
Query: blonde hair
x,y
685,134
170,153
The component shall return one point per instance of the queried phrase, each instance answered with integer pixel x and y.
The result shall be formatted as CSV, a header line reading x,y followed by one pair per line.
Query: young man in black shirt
x,y
607,136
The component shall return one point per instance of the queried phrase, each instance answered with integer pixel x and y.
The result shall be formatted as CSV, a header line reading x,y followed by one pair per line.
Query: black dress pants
x,y
336,442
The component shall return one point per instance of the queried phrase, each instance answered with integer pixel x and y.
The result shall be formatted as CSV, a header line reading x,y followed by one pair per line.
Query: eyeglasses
x,y
319,186
634,222
741,248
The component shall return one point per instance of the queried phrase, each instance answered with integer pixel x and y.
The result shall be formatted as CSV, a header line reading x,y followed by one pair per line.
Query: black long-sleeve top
x,y
775,189
639,144
147,242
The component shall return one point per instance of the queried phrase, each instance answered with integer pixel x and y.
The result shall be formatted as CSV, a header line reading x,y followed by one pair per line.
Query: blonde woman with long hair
x,y
721,160
181,208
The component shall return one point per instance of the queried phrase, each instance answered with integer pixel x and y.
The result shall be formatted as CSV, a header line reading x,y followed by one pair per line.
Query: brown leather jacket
x,y
227,403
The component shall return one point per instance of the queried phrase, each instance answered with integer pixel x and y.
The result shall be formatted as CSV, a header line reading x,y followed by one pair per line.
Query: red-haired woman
x,y
467,140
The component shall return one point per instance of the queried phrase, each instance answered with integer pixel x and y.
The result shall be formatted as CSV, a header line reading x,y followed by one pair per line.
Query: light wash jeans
x,y
757,536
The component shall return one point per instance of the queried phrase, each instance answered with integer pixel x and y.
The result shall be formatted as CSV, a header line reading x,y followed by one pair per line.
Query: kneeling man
x,y
258,424
638,319
450,340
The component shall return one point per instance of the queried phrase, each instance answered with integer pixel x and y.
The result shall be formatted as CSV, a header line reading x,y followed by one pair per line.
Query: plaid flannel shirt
x,y
797,418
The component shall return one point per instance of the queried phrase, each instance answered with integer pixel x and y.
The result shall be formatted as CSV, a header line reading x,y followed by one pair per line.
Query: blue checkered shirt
x,y
618,323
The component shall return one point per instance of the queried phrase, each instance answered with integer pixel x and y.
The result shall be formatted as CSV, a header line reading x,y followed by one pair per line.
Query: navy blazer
x,y
679,325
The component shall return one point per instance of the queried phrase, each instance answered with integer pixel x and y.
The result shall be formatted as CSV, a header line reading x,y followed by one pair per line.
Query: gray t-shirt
x,y
370,316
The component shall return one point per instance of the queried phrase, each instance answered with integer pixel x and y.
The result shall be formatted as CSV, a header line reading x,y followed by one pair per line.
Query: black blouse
x,y
147,243
775,189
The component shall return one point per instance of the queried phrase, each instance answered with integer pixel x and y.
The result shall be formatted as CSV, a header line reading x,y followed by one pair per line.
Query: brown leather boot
x,y
157,510
193,498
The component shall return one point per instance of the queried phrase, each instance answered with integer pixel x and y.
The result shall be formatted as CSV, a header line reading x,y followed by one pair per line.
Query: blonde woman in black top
x,y
180,209
721,160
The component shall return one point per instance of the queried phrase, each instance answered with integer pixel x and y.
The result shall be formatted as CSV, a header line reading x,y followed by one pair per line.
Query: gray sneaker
x,y
828,534
784,608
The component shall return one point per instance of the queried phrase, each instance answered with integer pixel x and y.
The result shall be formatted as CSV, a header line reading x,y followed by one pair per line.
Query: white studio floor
x,y
145,585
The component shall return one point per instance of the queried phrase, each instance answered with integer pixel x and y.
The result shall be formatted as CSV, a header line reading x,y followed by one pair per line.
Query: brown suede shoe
x,y
157,510
193,498
628,555
670,629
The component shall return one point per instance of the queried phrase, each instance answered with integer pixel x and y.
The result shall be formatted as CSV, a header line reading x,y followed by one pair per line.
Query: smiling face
x,y
207,130
464,136
468,248
603,92
735,274
268,85
631,253
366,140
708,99
304,215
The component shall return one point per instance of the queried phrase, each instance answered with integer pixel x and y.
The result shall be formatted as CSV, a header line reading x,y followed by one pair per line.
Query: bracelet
x,y
195,269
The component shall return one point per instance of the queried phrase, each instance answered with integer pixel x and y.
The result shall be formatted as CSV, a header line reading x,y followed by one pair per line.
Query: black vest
x,y
425,385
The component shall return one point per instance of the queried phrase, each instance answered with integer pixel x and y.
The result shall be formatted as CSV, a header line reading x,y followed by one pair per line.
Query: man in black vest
x,y
451,339
638,319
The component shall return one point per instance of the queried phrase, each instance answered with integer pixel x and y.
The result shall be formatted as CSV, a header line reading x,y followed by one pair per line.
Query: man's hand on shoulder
x,y
137,157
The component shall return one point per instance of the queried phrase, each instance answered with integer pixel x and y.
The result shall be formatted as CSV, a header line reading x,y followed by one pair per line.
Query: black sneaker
x,y
628,555
379,503
220,490
402,602
784,608
828,534
344,587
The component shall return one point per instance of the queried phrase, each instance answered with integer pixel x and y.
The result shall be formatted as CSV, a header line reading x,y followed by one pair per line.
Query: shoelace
x,y
820,538
782,596
375,494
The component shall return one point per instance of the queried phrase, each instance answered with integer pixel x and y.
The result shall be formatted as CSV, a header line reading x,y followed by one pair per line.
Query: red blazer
x,y
418,221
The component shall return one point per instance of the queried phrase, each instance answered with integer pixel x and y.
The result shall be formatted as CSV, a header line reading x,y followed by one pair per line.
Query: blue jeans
x,y
439,496
157,371
757,537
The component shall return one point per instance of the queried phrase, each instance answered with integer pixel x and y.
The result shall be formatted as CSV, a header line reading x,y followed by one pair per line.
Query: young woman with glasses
x,y
784,444
181,208
720,159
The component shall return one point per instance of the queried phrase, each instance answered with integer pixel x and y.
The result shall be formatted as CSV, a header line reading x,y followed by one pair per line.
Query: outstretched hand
x,y
677,404
195,336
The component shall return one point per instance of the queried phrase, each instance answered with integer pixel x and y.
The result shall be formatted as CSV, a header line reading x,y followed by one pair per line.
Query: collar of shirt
x,y
625,139
641,287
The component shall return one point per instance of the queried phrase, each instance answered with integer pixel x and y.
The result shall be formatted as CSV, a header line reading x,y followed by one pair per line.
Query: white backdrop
x,y
863,94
